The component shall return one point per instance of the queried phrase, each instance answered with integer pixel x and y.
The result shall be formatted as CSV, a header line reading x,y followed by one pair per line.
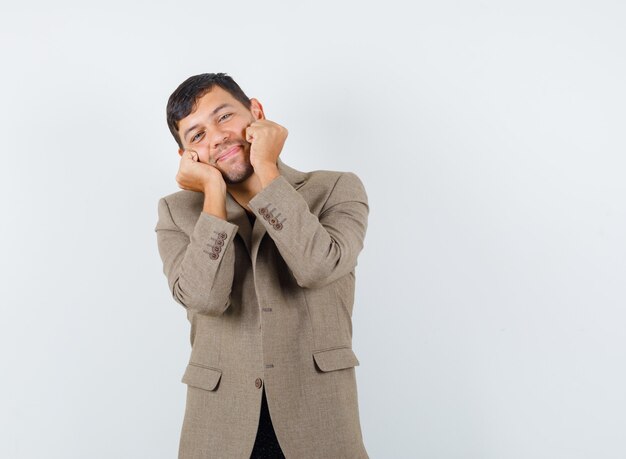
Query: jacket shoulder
x,y
182,198
182,207
324,176
324,188
337,181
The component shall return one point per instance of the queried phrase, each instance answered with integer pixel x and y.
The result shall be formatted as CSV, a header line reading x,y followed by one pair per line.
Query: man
x,y
262,257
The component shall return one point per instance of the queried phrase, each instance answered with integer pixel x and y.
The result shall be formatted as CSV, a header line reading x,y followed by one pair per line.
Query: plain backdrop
x,y
489,315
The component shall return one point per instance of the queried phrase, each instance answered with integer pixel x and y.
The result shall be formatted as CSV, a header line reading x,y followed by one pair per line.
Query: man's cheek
x,y
204,155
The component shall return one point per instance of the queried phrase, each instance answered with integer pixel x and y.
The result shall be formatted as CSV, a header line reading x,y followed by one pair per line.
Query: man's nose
x,y
218,137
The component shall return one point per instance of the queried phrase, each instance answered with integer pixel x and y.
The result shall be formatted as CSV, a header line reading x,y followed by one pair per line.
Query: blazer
x,y
269,305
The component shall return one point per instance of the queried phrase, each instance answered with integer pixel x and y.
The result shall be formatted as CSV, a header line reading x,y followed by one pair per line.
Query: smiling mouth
x,y
229,153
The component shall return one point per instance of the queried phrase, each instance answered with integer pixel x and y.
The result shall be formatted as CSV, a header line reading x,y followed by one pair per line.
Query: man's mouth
x,y
230,152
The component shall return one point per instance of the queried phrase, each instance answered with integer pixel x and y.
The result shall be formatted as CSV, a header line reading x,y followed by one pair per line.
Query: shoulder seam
x,y
170,212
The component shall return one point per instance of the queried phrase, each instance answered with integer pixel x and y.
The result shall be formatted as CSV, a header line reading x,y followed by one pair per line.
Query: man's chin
x,y
238,176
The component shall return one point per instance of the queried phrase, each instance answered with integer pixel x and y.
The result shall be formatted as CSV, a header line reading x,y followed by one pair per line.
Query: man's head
x,y
209,113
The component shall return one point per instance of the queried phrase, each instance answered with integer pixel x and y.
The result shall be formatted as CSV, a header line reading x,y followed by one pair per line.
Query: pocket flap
x,y
335,359
202,377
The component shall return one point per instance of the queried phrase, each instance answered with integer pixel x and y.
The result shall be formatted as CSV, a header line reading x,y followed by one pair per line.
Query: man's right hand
x,y
196,176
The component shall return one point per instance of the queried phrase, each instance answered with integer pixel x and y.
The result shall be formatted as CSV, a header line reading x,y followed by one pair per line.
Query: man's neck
x,y
243,192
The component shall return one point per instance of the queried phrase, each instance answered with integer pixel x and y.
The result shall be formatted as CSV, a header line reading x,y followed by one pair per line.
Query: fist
x,y
266,142
196,176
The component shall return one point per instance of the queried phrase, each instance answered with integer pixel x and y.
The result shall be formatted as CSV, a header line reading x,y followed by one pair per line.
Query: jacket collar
x,y
295,177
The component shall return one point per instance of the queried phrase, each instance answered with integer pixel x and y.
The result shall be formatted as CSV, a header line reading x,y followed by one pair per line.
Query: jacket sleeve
x,y
200,268
318,250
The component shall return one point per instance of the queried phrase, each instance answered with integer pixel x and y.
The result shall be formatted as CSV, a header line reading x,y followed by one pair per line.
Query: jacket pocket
x,y
202,377
335,359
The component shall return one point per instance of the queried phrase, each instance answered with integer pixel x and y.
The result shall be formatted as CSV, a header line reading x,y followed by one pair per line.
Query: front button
x,y
258,383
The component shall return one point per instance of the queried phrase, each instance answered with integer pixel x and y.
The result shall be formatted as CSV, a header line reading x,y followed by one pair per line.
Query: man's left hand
x,y
266,142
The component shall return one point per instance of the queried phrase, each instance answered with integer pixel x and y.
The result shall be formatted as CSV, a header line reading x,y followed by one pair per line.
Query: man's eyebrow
x,y
219,107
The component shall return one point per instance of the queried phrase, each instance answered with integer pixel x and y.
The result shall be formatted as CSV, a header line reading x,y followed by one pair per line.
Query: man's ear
x,y
257,109
180,152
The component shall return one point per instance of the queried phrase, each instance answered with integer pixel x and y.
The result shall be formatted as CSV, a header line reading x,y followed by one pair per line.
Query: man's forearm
x,y
318,249
267,173
199,265
214,202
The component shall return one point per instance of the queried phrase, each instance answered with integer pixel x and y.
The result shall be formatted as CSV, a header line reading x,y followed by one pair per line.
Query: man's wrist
x,y
214,202
266,173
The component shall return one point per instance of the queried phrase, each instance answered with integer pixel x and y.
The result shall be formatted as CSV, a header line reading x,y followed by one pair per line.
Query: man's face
x,y
216,131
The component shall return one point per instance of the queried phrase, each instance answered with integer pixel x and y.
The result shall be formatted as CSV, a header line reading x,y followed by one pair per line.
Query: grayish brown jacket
x,y
269,305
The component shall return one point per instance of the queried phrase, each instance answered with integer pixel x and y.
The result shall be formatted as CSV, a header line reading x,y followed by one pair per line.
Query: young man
x,y
262,257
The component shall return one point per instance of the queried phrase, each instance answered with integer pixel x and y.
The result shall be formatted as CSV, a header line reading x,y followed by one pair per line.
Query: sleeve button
x,y
213,256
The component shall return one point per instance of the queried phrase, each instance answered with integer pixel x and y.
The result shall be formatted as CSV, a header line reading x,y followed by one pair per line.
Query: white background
x,y
489,315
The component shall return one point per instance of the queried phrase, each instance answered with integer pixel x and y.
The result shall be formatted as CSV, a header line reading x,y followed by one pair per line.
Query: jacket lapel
x,y
237,215
295,177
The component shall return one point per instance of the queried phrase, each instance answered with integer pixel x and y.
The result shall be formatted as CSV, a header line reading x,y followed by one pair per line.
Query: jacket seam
x,y
322,210
331,348
205,366
170,212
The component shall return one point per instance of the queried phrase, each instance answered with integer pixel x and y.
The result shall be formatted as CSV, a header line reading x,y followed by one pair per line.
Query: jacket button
x,y
258,383
267,216
217,249
222,235
273,221
219,242
278,226
213,256
262,210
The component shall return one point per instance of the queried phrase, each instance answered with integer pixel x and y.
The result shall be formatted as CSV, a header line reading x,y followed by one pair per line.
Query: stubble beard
x,y
239,172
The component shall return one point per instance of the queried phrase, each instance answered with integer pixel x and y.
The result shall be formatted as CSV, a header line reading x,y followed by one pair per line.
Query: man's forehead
x,y
215,97
207,104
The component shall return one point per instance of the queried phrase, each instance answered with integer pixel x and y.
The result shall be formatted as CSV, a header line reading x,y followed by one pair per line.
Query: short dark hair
x,y
183,100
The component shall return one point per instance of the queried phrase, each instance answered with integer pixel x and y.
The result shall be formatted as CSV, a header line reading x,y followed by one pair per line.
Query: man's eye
x,y
197,136
225,116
